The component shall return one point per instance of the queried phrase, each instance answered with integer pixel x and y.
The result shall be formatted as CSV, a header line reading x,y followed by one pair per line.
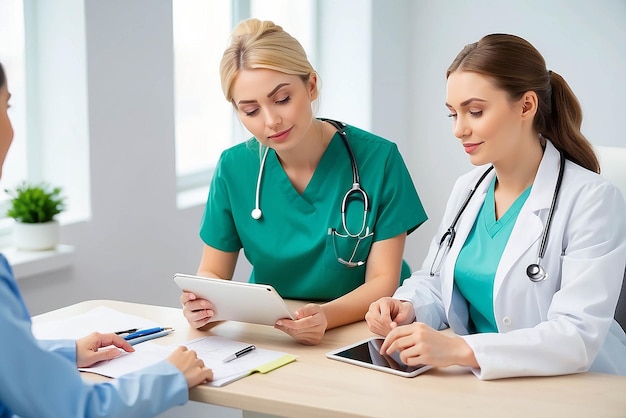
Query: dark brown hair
x,y
3,78
515,66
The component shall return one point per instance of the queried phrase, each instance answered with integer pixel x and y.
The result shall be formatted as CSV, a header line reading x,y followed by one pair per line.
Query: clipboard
x,y
237,301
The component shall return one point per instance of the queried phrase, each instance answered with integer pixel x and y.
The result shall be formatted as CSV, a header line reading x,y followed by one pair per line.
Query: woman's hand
x,y
190,366
418,343
387,313
197,311
308,327
88,348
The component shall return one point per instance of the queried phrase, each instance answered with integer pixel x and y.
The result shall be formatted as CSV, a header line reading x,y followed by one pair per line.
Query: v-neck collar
x,y
305,201
492,225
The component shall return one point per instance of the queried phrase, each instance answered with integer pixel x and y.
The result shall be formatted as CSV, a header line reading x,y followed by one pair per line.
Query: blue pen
x,y
144,332
152,336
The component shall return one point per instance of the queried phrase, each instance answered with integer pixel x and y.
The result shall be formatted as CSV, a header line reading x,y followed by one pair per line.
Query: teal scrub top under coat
x,y
290,246
477,263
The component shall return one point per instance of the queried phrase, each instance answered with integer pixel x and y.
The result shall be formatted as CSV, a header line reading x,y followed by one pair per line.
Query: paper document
x,y
212,350
101,319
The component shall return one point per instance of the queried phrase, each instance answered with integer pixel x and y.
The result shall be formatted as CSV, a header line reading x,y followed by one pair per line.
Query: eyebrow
x,y
468,101
270,94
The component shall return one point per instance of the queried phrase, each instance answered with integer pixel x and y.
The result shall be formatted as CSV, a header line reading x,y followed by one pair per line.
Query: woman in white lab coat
x,y
488,286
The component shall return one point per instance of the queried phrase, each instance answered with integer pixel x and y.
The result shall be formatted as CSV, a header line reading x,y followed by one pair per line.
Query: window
x,y
43,50
12,59
205,122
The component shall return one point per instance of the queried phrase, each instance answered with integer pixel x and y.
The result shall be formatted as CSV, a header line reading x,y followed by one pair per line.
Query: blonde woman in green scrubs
x,y
278,196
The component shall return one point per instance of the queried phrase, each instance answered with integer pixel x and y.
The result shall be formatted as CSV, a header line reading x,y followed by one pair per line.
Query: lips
x,y
280,136
470,148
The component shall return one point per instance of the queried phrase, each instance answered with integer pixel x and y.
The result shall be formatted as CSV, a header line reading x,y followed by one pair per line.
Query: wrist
x,y
466,355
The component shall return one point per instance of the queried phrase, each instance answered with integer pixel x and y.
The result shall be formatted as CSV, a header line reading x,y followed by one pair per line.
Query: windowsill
x,y
31,263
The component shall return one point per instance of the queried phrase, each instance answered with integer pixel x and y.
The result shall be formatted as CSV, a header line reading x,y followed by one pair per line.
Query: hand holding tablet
x,y
237,301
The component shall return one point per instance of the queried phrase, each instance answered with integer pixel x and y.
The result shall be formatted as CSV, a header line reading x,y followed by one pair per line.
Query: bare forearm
x,y
353,306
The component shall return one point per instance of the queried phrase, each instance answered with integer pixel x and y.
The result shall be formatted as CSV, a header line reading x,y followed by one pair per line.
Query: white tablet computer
x,y
366,353
237,301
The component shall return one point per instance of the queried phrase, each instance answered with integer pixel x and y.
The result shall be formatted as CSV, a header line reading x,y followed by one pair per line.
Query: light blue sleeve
x,y
65,348
36,382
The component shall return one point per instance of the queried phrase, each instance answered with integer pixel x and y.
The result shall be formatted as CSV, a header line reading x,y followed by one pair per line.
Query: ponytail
x,y
562,125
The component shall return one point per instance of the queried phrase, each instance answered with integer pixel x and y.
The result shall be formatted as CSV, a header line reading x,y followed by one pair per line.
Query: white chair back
x,y
613,167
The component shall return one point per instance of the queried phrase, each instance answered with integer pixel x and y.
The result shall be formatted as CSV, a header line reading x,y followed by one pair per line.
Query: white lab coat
x,y
563,324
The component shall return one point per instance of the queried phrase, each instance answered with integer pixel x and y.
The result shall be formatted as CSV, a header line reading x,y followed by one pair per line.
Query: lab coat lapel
x,y
463,228
533,215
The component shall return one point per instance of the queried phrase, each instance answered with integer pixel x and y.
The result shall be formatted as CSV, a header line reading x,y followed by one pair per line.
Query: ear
x,y
312,86
529,104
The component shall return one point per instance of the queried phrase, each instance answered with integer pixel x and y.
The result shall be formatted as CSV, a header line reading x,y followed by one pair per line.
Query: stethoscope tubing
x,y
356,188
535,272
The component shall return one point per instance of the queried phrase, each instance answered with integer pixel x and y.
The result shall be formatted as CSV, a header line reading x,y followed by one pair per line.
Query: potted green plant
x,y
34,207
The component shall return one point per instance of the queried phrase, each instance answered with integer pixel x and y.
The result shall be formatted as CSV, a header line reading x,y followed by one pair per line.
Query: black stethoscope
x,y
355,192
535,272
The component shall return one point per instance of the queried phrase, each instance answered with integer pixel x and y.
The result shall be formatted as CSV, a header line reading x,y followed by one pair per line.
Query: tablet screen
x,y
369,352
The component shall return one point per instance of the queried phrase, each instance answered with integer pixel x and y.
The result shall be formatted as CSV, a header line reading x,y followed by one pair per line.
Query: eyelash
x,y
474,114
279,102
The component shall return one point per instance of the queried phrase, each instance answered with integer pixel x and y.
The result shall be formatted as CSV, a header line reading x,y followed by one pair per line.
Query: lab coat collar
x,y
545,180
533,215
527,229
463,228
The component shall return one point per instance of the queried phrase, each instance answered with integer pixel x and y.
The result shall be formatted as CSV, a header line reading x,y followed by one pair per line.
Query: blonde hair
x,y
262,44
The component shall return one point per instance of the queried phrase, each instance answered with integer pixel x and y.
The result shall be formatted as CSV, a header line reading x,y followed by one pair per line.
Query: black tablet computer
x,y
366,353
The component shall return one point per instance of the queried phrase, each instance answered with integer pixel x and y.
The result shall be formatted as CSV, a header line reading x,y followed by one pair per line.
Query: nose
x,y
461,128
272,118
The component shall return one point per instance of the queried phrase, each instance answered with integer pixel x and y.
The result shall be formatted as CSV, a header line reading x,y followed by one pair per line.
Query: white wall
x,y
137,238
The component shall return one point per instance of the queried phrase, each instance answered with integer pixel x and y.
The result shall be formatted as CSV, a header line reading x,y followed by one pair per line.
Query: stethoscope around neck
x,y
355,192
535,272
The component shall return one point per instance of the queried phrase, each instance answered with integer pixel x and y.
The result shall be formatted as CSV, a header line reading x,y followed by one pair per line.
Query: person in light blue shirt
x,y
39,378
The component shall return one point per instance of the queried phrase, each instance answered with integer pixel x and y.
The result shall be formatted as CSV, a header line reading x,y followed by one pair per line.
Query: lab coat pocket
x,y
346,252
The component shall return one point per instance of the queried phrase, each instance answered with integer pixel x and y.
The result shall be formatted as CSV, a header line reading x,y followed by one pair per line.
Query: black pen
x,y
239,353
128,331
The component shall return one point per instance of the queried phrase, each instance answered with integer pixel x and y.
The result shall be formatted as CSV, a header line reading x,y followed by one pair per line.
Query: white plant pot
x,y
36,237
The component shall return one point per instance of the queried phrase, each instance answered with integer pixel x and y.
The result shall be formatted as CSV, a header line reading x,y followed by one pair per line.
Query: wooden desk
x,y
315,386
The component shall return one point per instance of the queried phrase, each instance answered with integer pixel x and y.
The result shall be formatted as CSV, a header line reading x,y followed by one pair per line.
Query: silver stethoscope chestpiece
x,y
536,273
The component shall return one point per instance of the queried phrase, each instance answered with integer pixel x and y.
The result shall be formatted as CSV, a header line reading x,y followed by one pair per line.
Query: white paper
x,y
145,354
101,319
212,350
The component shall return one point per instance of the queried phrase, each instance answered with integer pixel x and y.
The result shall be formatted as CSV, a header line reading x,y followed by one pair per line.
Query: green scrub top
x,y
477,263
292,246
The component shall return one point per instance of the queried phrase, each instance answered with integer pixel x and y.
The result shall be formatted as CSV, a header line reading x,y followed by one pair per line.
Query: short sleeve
x,y
217,228
400,209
